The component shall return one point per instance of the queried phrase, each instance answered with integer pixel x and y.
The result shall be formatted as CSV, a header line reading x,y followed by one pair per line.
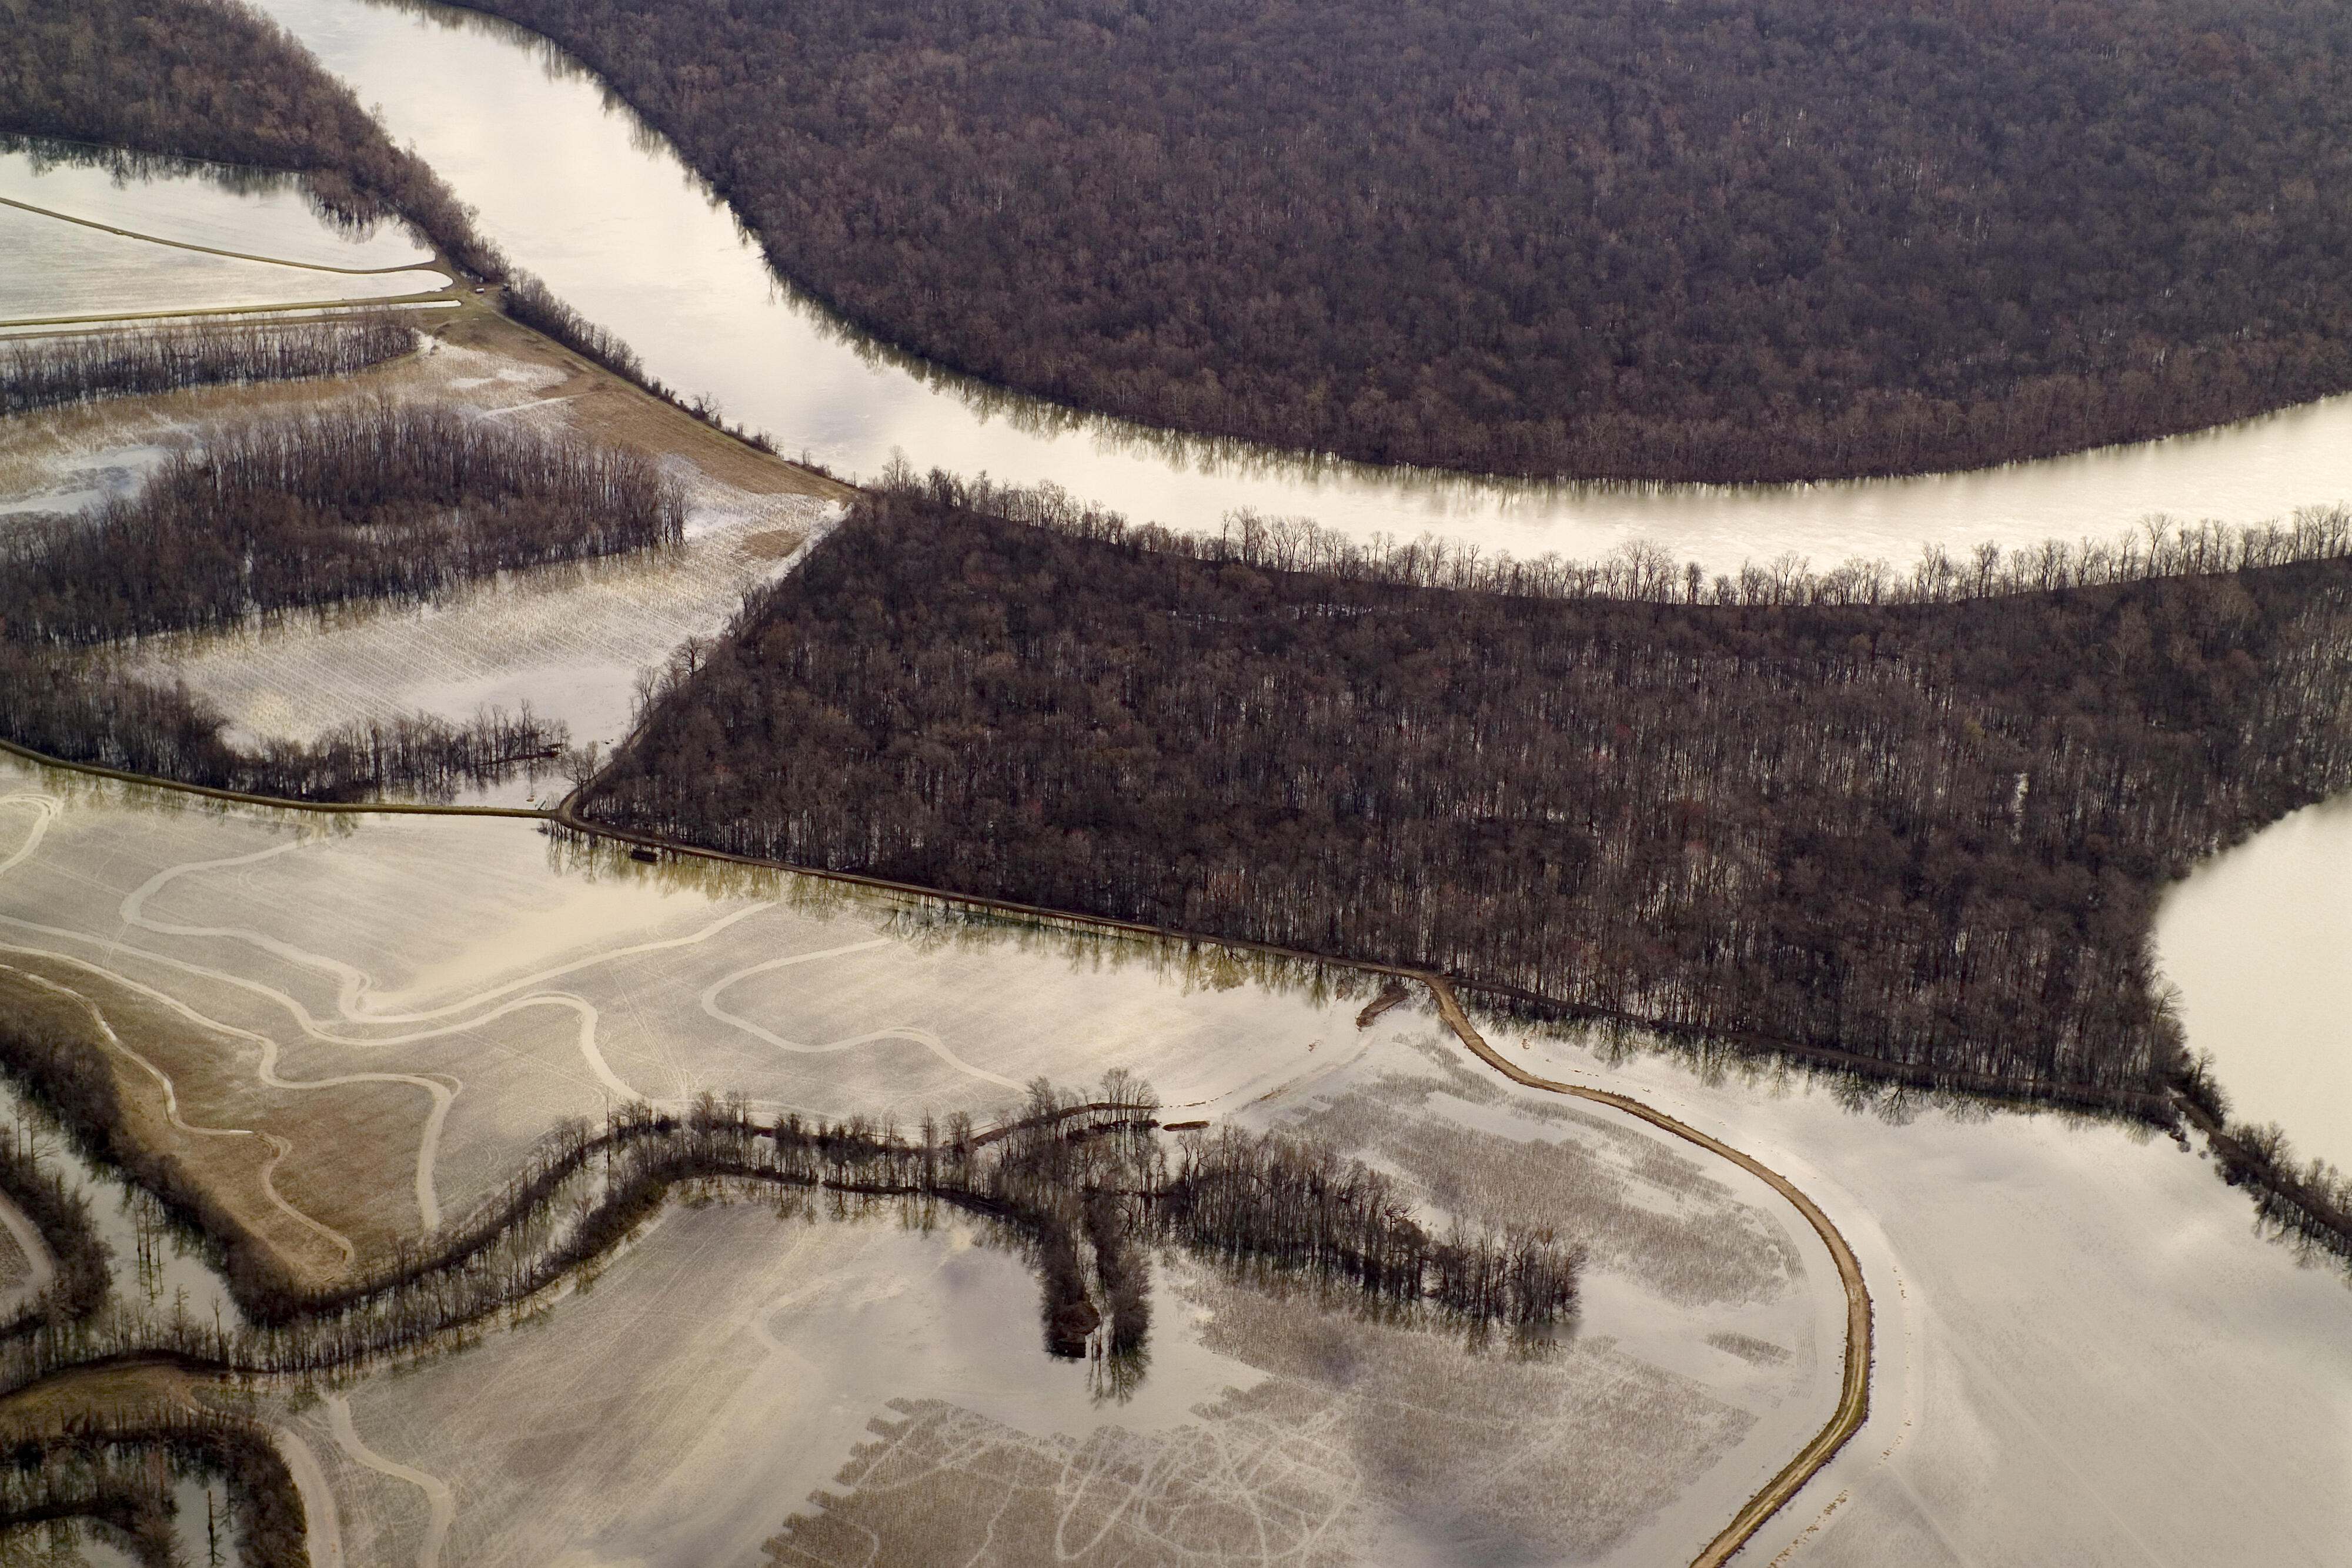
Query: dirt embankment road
x,y
1853,1396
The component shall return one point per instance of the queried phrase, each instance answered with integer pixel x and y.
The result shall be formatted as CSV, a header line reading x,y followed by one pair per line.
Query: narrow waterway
x,y
2260,942
578,189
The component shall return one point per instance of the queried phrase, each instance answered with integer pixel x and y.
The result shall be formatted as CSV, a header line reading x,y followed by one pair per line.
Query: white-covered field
x,y
61,269
684,1408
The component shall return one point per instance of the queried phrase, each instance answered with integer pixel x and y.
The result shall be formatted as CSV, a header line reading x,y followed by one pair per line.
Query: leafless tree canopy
x,y
1711,240
373,501
198,78
42,372
1923,836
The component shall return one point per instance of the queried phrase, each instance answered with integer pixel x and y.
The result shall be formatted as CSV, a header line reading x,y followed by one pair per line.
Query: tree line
x,y
1925,839
1707,241
380,500
2308,1201
1065,1175
1646,570
201,79
45,372
82,710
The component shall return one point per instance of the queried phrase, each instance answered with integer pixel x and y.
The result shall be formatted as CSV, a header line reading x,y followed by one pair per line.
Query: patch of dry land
x,y
569,640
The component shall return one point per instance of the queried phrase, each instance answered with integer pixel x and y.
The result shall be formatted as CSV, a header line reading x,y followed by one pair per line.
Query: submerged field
x,y
449,989
411,1002
572,641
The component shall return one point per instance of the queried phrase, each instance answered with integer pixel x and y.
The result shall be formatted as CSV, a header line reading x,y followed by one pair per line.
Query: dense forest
x,y
45,372
378,500
214,79
1927,836
1719,239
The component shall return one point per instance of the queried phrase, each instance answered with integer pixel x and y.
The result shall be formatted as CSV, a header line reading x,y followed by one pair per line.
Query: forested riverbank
x,y
1700,242
1684,814
195,79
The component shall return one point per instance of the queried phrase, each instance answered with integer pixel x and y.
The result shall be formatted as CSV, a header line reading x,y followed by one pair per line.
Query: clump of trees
x,y
1711,240
203,79
116,1465
44,372
81,711
1267,1199
379,500
1916,833
1066,1174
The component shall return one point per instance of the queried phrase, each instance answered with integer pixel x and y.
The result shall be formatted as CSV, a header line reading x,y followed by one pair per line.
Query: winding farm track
x,y
1853,1401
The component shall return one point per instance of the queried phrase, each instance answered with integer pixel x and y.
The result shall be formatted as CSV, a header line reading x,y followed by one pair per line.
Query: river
x,y
579,190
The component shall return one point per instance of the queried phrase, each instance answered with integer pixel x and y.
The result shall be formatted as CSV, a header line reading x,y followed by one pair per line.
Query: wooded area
x,y
204,78
1927,835
1715,240
45,372
378,500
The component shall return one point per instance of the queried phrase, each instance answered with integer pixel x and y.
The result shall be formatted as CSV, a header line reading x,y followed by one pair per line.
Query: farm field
x,y
506,1174
189,202
2086,1352
1707,1350
569,640
64,270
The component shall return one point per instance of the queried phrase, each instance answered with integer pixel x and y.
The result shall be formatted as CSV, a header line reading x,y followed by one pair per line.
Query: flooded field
x,y
632,1422
498,984
2260,942
2084,1351
91,232
570,640
60,270
181,200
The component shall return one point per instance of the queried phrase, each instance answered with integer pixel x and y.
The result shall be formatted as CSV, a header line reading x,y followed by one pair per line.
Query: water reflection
x,y
226,206
576,188
2259,941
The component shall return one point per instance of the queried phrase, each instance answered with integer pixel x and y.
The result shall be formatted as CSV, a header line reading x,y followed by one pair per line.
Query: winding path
x,y
1853,1403
437,1496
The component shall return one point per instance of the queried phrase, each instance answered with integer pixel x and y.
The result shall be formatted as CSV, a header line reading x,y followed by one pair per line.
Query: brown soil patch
x,y
604,406
771,543
75,1398
343,1156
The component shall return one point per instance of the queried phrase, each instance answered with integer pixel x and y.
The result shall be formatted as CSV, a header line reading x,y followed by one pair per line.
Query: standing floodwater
x,y
2260,942
577,189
